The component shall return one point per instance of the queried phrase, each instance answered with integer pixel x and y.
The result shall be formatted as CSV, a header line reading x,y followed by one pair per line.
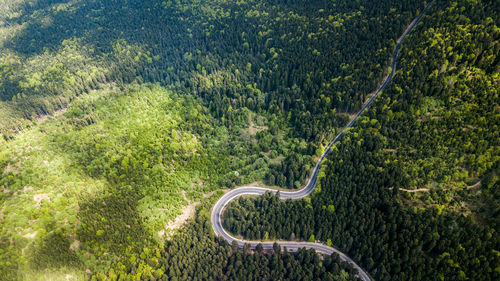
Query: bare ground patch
x,y
40,197
56,113
30,235
187,212
252,128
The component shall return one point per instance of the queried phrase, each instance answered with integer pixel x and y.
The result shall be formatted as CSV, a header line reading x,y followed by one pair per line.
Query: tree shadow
x,y
108,226
45,27
110,223
53,251
99,23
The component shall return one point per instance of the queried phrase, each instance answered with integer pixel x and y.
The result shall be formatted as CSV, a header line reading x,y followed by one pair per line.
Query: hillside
x,y
411,192
122,122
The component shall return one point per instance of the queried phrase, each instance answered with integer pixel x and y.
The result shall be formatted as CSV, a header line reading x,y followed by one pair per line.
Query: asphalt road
x,y
293,246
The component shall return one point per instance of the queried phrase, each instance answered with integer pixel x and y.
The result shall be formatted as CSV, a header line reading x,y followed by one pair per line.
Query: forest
x,y
411,192
180,259
48,58
117,116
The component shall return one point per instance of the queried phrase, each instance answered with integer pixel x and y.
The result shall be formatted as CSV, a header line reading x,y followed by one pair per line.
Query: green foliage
x,y
54,251
232,54
311,238
250,91
443,130
432,130
329,242
110,172
195,254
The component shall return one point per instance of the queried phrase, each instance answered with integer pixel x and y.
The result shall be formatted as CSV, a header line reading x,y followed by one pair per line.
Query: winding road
x,y
294,246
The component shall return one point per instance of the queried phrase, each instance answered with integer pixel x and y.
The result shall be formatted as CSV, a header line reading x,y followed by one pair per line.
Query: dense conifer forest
x,y
411,191
119,117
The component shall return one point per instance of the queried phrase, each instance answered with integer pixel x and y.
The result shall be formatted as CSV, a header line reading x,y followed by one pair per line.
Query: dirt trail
x,y
414,190
476,185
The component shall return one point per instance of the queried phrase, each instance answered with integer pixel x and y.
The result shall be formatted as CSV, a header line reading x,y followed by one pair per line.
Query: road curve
x,y
294,246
